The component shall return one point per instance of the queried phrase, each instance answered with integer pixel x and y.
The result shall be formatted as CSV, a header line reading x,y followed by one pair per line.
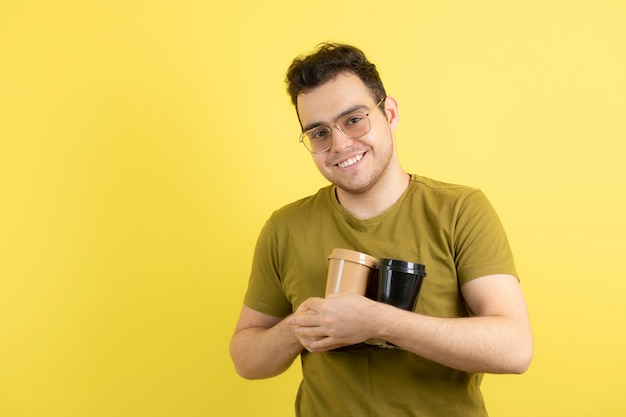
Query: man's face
x,y
354,165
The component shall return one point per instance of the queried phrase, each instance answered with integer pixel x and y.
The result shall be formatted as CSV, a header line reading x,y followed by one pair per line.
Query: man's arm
x,y
262,345
497,339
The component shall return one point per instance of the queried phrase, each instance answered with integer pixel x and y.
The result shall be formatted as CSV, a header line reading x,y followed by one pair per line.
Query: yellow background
x,y
144,143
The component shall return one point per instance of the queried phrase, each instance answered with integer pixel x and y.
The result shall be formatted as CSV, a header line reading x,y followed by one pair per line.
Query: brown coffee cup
x,y
350,272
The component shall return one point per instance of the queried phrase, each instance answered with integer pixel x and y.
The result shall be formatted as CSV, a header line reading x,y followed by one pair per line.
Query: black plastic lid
x,y
402,266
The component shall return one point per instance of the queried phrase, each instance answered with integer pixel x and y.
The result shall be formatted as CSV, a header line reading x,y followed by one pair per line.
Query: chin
x,y
354,187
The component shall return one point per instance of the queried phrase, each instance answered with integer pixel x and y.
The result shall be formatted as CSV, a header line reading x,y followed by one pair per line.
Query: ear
x,y
392,112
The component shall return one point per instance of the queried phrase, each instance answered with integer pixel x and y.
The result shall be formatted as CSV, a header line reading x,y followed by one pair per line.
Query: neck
x,y
378,198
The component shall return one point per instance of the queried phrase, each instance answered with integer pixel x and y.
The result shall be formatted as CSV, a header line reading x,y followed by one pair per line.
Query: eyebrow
x,y
342,114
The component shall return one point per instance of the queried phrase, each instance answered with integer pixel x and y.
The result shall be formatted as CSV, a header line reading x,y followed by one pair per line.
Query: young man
x,y
471,315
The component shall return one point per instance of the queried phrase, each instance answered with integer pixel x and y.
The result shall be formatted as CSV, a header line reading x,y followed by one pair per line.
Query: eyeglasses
x,y
352,125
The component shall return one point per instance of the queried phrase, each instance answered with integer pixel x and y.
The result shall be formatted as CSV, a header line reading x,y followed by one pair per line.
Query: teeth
x,y
350,161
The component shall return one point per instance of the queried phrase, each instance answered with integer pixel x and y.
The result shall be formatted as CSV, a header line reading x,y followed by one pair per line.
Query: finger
x,y
313,332
323,345
306,342
314,303
302,309
305,320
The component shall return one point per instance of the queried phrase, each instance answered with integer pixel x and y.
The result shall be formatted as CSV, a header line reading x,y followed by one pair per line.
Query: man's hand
x,y
323,324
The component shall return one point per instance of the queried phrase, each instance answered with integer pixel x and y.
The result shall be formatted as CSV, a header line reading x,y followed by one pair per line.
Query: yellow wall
x,y
143,145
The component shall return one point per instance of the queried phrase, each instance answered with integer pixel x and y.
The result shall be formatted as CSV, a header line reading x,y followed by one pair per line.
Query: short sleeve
x,y
481,245
265,293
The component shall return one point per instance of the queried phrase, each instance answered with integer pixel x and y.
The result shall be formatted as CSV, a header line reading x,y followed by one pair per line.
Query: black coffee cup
x,y
399,282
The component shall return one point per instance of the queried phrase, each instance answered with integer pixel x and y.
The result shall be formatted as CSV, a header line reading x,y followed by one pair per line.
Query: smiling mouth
x,y
351,161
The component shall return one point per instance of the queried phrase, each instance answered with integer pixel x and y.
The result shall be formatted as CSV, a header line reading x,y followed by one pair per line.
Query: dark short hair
x,y
328,60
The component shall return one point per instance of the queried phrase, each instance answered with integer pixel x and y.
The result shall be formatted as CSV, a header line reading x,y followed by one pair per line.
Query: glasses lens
x,y
317,139
354,125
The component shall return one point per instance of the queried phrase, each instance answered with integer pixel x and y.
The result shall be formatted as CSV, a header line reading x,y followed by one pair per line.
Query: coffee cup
x,y
350,271
399,282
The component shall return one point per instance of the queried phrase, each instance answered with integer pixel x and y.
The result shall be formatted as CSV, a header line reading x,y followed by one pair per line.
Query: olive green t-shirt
x,y
451,229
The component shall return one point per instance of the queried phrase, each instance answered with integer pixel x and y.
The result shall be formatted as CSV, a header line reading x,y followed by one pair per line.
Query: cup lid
x,y
354,256
405,266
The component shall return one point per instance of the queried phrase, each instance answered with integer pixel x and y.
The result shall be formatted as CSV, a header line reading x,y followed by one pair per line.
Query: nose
x,y
340,141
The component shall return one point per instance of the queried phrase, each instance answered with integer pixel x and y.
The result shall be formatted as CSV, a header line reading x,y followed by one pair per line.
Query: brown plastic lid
x,y
354,256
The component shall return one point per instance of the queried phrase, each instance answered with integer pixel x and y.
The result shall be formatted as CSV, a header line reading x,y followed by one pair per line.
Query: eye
x,y
353,119
317,134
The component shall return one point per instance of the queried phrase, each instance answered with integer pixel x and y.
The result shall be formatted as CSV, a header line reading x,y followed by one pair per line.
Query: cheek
x,y
320,161
322,168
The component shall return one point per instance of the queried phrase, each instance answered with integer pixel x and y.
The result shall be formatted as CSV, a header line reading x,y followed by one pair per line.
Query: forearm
x,y
497,339
492,344
259,352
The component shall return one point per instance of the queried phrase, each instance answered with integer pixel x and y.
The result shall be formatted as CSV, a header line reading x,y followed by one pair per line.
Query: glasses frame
x,y
334,124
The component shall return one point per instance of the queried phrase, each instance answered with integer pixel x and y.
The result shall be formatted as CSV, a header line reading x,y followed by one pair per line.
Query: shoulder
x,y
440,186
443,192
442,198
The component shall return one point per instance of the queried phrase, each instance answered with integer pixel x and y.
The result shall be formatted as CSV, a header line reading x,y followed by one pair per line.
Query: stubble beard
x,y
360,183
